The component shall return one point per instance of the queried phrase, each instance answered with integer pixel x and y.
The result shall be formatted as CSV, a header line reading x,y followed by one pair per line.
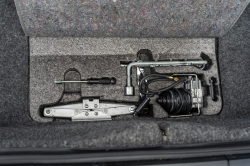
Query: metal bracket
x,y
87,104
196,92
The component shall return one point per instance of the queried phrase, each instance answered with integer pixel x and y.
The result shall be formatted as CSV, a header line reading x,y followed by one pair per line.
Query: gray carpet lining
x,y
17,129
134,18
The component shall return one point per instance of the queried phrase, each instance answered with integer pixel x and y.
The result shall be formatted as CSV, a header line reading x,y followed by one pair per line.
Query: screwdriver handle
x,y
103,80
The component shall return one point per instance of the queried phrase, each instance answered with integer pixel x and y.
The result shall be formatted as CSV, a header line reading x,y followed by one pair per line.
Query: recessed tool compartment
x,y
146,83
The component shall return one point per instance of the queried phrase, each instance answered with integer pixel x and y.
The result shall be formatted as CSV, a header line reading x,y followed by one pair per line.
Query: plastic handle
x,y
104,80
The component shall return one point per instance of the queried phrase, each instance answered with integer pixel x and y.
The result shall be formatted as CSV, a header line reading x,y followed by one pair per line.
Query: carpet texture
x,y
19,130
133,18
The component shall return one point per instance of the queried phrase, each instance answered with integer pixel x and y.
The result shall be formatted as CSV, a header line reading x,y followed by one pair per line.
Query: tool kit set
x,y
178,94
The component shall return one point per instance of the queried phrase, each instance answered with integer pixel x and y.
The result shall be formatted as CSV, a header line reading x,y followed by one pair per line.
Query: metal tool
x,y
104,80
89,110
129,89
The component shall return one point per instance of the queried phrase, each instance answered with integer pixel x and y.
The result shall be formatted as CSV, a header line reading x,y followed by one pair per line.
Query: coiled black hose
x,y
172,100
176,101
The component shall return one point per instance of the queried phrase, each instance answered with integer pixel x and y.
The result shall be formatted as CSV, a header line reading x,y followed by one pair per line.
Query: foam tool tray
x,y
72,58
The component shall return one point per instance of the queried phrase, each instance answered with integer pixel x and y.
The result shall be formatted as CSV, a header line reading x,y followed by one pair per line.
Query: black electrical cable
x,y
161,77
174,101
